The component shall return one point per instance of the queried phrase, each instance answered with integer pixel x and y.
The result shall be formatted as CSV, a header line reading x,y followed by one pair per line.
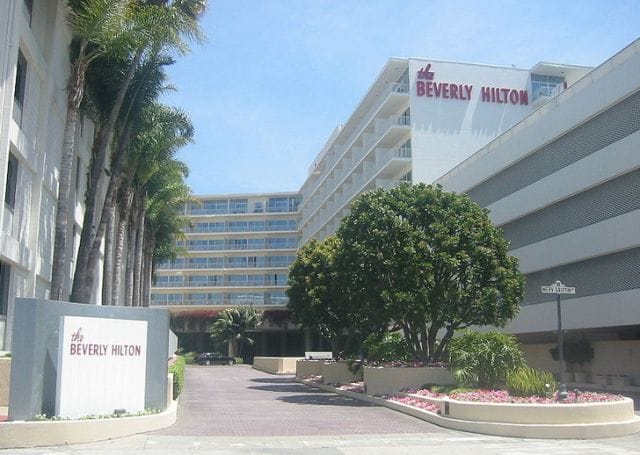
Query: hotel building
x,y
551,151
564,185
237,251
34,69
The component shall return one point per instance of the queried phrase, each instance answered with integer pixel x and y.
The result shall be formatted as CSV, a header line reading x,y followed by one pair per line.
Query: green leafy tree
x,y
484,359
316,297
233,326
422,260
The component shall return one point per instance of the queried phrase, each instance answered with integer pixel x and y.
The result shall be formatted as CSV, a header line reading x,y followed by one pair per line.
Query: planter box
x,y
339,373
306,368
390,380
5,376
276,365
535,414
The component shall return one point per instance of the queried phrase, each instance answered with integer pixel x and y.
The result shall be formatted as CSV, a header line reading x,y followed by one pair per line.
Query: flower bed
x,y
416,403
502,396
357,387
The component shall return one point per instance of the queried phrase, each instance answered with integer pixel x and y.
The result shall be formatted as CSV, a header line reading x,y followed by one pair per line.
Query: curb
x,y
21,434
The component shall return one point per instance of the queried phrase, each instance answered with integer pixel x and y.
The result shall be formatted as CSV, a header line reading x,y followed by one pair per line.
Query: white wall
x,y
447,131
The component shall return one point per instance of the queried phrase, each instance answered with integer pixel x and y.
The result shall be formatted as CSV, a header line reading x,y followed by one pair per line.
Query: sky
x,y
275,77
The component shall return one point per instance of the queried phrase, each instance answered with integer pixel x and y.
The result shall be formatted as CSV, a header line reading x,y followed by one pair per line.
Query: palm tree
x,y
165,25
147,85
233,326
99,27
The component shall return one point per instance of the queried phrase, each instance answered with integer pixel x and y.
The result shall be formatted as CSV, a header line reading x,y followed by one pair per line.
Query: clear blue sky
x,y
276,76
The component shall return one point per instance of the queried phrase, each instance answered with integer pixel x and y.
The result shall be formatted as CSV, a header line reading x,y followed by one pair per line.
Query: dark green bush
x,y
579,352
177,368
393,347
190,357
529,382
484,360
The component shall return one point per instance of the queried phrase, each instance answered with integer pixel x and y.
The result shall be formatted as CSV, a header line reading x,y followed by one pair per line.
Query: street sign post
x,y
558,289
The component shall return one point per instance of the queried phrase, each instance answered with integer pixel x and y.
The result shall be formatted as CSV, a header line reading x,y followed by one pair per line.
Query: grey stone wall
x,y
35,344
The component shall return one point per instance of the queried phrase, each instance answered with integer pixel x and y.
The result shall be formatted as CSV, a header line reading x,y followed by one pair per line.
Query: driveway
x,y
240,401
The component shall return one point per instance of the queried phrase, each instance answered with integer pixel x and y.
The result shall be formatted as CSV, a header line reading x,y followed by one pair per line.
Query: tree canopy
x,y
419,260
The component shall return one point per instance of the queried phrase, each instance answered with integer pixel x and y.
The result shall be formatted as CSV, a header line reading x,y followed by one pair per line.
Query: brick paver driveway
x,y
241,401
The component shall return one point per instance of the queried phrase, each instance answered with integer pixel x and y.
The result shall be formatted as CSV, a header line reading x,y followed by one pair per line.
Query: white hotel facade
x,y
552,151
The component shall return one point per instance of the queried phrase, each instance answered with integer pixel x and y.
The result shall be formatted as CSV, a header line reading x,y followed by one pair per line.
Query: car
x,y
213,358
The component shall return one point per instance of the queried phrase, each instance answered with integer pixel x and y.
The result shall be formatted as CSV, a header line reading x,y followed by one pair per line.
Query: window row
x,y
227,262
239,244
234,206
267,279
244,226
220,298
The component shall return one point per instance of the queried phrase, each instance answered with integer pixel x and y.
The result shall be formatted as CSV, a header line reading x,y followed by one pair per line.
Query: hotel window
x,y
256,226
21,79
283,204
255,244
237,262
216,207
238,205
5,270
12,182
543,85
237,226
257,207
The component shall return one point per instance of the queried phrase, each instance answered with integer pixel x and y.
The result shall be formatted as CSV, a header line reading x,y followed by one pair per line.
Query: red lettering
x,y
454,91
420,88
524,97
468,90
513,97
445,90
437,88
138,349
72,350
486,94
505,93
430,89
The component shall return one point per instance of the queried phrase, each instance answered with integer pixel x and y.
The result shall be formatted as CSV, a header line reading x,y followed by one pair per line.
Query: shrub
x,y
529,382
177,368
238,360
579,352
392,347
483,360
190,357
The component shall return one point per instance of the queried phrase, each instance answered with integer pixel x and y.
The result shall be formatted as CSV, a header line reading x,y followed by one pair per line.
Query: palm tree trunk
x,y
76,93
108,207
118,255
107,265
147,270
133,233
137,279
81,292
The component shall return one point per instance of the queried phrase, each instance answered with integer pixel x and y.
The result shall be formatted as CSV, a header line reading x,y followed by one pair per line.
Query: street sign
x,y
557,288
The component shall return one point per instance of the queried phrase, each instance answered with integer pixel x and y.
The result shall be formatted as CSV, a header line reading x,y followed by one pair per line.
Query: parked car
x,y
213,358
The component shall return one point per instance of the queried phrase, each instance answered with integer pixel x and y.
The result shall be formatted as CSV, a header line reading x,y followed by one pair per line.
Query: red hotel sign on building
x,y
426,86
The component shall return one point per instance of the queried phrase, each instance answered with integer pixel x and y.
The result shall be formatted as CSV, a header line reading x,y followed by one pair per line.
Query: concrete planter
x,y
306,368
339,373
537,414
5,376
276,365
390,380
